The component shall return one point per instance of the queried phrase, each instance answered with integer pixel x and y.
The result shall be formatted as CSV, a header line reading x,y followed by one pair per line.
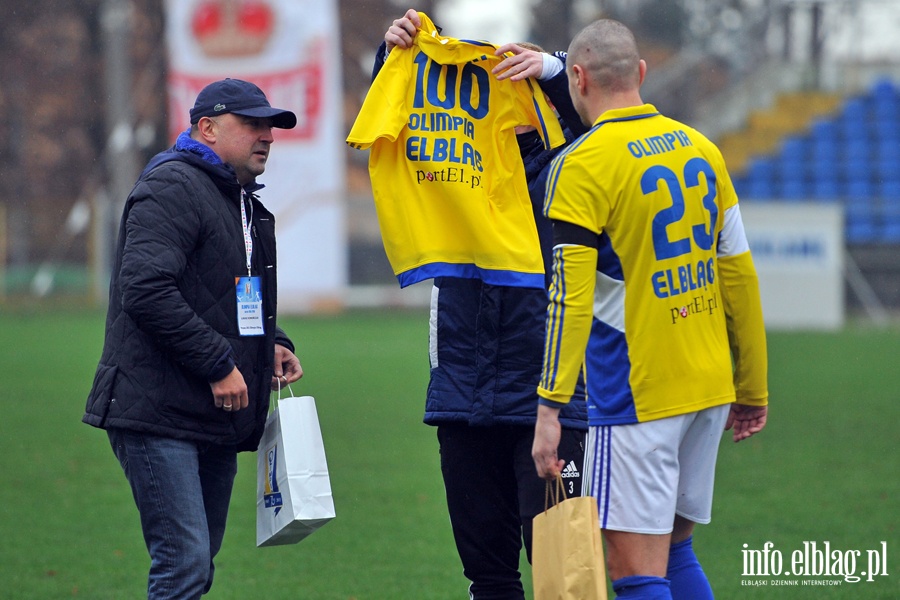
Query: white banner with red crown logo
x,y
291,50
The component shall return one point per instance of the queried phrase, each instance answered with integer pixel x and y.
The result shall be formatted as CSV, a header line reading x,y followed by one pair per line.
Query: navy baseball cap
x,y
240,98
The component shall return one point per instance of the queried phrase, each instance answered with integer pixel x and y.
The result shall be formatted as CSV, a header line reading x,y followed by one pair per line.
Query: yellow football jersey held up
x,y
448,181
660,305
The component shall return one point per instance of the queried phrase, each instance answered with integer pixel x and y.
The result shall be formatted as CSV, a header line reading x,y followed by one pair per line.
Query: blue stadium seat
x,y
885,100
823,130
826,150
886,130
857,167
888,149
883,87
859,188
890,206
890,229
761,168
824,169
759,177
885,169
854,110
760,189
853,121
889,190
738,181
886,109
856,133
790,167
794,148
856,148
826,188
861,232
793,189
860,221
887,214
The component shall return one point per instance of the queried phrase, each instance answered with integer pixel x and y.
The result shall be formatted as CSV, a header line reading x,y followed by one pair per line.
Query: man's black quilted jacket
x,y
172,322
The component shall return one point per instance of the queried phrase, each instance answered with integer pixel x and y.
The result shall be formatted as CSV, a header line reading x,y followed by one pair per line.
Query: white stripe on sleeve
x,y
733,238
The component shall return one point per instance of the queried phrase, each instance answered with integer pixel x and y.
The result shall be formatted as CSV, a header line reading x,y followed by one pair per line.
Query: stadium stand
x,y
849,154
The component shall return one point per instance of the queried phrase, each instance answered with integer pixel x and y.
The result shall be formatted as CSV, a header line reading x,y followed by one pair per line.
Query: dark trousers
x,y
493,493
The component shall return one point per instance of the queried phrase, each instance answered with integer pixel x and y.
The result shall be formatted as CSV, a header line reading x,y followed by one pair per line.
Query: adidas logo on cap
x,y
570,470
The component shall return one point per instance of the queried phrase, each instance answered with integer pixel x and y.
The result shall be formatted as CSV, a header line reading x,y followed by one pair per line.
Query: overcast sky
x,y
865,30
497,21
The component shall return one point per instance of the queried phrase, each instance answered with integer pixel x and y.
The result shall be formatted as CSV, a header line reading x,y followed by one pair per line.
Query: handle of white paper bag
x,y
273,405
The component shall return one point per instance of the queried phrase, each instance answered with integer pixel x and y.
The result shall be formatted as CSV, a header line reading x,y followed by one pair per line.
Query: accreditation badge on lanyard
x,y
249,288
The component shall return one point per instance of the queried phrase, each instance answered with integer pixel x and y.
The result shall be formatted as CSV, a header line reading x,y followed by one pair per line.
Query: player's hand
x,y
402,31
230,393
287,368
547,432
746,420
521,65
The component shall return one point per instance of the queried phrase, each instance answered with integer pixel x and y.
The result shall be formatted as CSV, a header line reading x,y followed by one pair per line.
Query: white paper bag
x,y
293,492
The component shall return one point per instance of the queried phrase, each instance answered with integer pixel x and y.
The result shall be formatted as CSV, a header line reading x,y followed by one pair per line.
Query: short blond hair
x,y
530,46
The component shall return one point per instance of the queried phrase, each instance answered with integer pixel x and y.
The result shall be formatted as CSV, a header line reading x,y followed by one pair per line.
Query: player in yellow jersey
x,y
655,298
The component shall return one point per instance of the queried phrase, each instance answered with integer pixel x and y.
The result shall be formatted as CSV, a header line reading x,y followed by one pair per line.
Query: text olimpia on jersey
x,y
650,304
449,184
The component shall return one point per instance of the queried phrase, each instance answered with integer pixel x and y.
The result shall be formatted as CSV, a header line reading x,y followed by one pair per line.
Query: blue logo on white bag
x,y
272,497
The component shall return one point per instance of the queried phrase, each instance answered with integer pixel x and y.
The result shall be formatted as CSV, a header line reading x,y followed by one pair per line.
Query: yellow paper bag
x,y
567,553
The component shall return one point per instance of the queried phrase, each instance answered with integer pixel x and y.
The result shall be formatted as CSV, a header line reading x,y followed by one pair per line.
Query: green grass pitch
x,y
827,468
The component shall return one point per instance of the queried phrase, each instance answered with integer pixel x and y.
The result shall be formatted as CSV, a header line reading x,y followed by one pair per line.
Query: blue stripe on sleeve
x,y
556,318
561,285
545,135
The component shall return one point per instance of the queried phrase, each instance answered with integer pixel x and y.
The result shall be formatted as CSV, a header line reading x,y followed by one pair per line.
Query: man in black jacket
x,y
192,348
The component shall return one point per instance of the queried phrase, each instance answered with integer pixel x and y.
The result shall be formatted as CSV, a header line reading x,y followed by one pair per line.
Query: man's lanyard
x,y
248,239
249,289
